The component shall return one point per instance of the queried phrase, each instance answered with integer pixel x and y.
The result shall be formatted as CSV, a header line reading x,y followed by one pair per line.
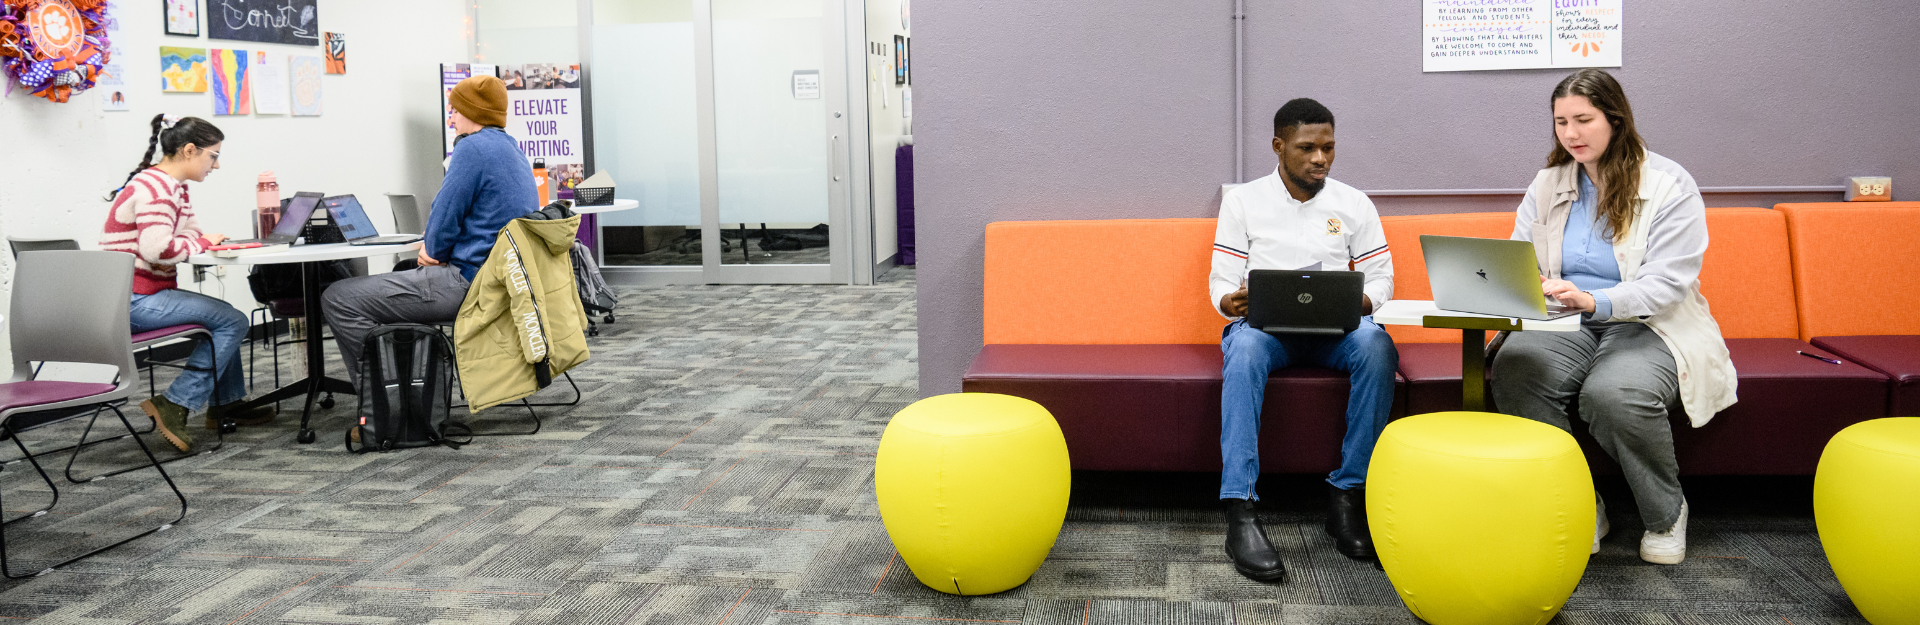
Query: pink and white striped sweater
x,y
152,219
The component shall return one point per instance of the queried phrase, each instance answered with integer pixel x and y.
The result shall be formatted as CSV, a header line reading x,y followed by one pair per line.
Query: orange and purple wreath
x,y
53,48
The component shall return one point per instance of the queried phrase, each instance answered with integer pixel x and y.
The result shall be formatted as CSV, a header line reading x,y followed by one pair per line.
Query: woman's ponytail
x,y
153,143
168,138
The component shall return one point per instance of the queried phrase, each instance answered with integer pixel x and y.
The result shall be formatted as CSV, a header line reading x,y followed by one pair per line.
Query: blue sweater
x,y
1586,256
488,184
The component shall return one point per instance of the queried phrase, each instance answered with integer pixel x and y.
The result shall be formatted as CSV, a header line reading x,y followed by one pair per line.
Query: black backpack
x,y
406,389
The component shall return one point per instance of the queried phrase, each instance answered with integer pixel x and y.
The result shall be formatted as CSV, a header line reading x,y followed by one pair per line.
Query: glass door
x,y
781,150
726,121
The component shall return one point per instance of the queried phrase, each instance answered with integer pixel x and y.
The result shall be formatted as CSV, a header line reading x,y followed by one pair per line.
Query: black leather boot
x,y
1253,555
1347,522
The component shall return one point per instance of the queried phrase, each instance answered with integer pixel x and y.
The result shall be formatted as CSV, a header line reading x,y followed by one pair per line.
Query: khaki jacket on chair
x,y
521,324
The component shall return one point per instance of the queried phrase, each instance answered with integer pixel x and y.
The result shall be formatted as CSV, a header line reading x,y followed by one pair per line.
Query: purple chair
x,y
70,306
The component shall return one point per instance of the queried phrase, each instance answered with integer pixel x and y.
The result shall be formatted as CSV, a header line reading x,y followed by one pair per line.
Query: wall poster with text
x,y
1472,35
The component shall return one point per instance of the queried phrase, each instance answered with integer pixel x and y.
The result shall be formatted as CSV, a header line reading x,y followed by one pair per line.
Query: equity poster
x,y
232,94
1469,35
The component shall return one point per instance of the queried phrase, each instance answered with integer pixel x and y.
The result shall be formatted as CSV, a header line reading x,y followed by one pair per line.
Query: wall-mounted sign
x,y
806,84
271,21
1470,35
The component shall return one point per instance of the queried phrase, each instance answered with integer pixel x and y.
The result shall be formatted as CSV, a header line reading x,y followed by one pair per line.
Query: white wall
x,y
886,123
379,131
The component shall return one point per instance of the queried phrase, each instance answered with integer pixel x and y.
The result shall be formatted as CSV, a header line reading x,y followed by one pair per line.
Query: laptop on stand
x,y
1497,277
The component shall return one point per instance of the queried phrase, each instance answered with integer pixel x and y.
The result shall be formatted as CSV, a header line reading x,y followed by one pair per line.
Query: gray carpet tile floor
x,y
719,470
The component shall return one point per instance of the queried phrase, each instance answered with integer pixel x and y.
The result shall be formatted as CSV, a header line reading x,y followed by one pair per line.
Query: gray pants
x,y
355,306
1625,380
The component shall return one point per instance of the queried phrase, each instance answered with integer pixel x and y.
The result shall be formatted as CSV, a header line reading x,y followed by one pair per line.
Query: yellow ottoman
x,y
1866,504
1480,518
973,489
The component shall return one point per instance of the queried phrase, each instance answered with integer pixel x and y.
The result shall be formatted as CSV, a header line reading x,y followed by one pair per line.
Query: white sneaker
x,y
1600,524
1668,547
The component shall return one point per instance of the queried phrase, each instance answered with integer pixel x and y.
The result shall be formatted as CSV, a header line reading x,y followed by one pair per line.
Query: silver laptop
x,y
1487,276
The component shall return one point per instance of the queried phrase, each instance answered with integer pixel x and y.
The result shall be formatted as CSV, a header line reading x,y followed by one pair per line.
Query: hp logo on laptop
x,y
1305,298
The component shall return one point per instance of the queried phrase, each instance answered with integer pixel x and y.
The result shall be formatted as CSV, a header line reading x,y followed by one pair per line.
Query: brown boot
x,y
170,419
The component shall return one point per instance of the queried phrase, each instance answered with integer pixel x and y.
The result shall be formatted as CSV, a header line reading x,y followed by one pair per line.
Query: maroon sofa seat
x,y
1157,407
1898,357
1790,405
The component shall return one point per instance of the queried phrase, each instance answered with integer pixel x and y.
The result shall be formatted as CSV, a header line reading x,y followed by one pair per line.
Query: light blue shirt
x,y
1586,253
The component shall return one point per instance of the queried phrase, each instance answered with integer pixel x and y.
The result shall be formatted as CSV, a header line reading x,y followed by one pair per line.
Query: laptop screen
x,y
294,217
351,218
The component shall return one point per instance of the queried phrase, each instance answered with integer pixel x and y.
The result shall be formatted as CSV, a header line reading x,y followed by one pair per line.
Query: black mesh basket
x,y
593,196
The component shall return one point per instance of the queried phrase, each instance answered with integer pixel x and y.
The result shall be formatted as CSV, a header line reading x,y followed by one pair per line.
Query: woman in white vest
x,y
1619,233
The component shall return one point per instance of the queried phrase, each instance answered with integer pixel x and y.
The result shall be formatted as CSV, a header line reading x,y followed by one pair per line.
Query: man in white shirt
x,y
1293,218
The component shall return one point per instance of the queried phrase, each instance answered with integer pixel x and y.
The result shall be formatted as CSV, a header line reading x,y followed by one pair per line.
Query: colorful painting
x,y
232,94
183,17
336,53
305,70
183,70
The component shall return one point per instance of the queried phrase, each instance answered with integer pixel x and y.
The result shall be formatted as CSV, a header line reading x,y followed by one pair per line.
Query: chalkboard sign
x,y
272,21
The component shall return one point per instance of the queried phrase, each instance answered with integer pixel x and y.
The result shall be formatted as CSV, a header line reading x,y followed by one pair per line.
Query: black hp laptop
x,y
1325,303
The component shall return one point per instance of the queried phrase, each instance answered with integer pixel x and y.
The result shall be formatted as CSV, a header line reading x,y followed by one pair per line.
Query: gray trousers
x,y
1624,378
355,306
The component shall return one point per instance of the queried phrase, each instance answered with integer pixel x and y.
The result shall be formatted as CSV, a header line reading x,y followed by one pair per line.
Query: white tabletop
x,y
617,205
305,254
1406,312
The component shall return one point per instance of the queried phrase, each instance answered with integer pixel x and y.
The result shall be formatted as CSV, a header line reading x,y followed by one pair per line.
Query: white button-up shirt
x,y
1263,227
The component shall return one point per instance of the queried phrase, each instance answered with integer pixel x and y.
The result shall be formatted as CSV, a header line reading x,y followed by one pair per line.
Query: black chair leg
x,y
220,431
43,476
152,461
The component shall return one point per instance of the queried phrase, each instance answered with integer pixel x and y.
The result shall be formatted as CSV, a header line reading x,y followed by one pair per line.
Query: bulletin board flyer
x,y
1475,35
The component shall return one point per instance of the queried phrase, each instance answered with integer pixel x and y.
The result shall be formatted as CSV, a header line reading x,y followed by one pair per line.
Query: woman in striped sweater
x,y
152,219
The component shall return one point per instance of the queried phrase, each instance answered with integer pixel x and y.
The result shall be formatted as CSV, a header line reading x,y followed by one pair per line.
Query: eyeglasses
x,y
216,155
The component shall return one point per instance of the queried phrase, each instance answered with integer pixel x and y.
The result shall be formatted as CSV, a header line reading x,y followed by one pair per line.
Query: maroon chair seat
x,y
1790,405
17,395
1896,356
289,307
141,339
1157,407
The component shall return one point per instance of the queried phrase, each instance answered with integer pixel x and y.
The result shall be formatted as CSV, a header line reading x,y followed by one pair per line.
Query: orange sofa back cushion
x,y
1747,276
1107,282
1410,264
1854,267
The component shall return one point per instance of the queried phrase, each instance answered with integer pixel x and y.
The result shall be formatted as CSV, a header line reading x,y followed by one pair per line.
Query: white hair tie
x,y
167,122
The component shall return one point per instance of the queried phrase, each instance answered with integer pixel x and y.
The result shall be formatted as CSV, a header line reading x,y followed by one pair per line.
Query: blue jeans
x,y
193,389
1367,355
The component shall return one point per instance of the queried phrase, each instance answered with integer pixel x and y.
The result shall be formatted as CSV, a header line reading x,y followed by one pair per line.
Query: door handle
x,y
833,159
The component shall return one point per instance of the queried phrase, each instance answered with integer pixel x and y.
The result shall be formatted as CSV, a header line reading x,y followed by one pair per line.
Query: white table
x,y
1473,338
617,205
309,257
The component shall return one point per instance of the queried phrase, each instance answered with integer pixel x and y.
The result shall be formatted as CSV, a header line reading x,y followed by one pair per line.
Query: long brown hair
x,y
1620,165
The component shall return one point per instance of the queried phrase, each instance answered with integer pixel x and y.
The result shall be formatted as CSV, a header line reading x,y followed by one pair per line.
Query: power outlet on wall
x,y
1869,189
199,272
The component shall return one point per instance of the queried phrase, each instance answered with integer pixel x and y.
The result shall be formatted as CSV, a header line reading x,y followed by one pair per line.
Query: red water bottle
x,y
267,199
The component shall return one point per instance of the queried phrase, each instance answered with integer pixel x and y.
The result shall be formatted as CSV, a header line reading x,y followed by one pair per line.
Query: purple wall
x,y
1046,109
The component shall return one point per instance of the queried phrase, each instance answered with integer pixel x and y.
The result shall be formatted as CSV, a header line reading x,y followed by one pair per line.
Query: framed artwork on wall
x,y
899,60
183,17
